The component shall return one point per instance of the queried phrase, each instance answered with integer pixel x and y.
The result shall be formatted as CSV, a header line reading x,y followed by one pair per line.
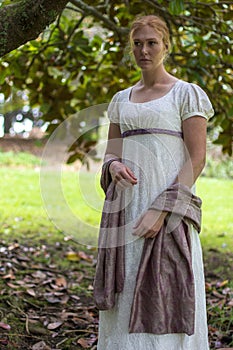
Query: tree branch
x,y
25,20
89,10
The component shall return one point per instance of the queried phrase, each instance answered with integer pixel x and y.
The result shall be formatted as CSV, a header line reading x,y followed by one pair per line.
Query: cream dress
x,y
155,159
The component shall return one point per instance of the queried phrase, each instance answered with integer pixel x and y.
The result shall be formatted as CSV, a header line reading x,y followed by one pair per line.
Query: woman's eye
x,y
152,43
136,43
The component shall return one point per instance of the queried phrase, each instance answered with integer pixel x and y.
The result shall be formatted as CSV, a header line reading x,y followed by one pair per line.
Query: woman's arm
x,y
194,133
114,144
121,174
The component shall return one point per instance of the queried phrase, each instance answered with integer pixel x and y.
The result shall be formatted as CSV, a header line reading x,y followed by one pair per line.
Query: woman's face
x,y
148,48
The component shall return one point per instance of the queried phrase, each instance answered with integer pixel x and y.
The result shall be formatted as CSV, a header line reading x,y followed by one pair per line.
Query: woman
x,y
156,150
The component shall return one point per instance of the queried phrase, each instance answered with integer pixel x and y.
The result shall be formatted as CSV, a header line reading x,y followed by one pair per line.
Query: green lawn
x,y
217,213
73,202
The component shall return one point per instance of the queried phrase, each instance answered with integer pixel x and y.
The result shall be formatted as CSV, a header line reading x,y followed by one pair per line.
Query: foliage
x,y
81,60
219,168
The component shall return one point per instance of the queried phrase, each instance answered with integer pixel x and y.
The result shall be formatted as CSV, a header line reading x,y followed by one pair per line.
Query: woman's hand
x,y
122,175
149,224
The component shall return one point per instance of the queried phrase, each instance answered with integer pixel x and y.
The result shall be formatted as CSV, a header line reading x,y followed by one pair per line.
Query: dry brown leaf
x,y
65,299
84,256
84,343
31,292
54,325
41,346
218,295
61,282
39,274
53,300
9,276
75,297
87,343
5,326
11,285
13,246
222,283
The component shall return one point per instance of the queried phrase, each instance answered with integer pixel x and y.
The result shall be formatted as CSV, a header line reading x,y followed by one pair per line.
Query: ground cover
x,y
46,273
46,296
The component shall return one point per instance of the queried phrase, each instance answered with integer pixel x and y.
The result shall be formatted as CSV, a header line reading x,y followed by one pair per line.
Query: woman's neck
x,y
156,77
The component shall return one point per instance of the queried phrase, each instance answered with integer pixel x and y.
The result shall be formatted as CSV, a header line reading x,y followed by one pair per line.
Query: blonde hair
x,y
157,23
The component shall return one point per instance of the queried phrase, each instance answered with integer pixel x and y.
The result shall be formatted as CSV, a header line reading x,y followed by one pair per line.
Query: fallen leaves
x,y
77,256
40,346
46,299
87,343
220,313
5,326
54,325
49,297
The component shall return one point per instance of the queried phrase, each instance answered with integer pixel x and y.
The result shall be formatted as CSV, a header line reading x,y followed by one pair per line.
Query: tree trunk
x,y
25,20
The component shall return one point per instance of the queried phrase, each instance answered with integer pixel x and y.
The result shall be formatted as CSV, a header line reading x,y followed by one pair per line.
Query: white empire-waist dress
x,y
153,148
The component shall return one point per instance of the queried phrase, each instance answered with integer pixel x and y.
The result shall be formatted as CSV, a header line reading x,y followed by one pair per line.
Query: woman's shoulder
x,y
190,88
122,95
193,100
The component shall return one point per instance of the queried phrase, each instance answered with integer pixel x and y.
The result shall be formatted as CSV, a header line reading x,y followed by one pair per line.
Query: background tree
x,y
80,59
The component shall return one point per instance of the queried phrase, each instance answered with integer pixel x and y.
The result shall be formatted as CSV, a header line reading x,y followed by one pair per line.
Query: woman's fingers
x,y
121,173
150,234
127,174
141,227
149,224
145,232
133,177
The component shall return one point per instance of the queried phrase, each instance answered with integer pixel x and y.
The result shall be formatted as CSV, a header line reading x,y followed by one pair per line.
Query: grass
x,y
21,208
30,206
72,204
19,159
73,201
217,214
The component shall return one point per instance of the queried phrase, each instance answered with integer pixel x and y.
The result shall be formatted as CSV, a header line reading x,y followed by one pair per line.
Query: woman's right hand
x,y
122,175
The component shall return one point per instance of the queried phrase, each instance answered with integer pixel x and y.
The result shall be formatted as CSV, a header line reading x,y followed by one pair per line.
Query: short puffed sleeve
x,y
195,102
113,109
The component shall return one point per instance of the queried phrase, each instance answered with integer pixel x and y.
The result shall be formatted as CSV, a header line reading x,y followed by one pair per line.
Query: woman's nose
x,y
144,48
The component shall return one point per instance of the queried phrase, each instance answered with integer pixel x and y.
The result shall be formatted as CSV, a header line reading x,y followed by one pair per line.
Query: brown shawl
x,y
164,299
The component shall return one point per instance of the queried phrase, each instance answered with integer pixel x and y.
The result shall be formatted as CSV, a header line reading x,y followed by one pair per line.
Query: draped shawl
x,y
164,295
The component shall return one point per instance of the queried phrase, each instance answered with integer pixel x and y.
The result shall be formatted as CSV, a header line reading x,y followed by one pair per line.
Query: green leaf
x,y
93,59
176,6
54,72
73,157
3,74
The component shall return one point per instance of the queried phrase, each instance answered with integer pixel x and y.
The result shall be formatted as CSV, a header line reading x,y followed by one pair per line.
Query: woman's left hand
x,y
149,224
